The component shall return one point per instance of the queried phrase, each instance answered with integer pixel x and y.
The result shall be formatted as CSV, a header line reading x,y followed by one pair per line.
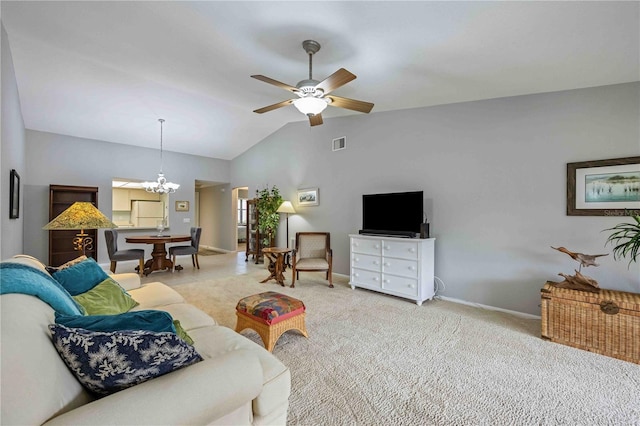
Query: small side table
x,y
277,264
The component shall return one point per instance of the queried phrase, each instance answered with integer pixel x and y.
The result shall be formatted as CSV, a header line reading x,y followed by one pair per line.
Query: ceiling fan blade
x,y
315,120
274,106
335,80
275,83
353,104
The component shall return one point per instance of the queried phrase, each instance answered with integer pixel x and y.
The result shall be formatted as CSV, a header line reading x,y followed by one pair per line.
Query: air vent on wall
x,y
339,143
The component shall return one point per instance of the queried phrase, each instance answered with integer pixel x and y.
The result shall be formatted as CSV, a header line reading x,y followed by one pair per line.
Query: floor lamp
x,y
286,207
81,215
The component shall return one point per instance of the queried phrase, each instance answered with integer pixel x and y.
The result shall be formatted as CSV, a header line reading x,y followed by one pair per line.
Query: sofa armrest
x,y
197,394
128,281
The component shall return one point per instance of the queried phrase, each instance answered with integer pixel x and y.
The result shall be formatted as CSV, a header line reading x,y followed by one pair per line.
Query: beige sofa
x,y
238,382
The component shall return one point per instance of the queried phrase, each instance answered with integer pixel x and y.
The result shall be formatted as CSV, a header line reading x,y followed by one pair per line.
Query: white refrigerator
x,y
147,214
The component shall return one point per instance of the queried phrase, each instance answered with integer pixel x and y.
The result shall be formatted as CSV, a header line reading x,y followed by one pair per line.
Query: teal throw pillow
x,y
107,362
149,320
81,277
107,298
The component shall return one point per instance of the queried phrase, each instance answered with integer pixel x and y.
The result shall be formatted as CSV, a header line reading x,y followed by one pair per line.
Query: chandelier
x,y
161,186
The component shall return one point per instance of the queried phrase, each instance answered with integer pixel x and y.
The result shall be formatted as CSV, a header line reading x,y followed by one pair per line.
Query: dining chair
x,y
312,253
115,255
185,250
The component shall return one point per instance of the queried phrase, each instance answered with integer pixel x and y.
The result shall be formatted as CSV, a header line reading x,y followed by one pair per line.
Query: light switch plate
x,y
186,220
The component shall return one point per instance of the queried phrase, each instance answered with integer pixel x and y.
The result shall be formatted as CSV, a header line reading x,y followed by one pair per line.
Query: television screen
x,y
394,212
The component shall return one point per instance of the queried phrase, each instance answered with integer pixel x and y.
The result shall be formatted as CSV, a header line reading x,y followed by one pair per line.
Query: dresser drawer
x,y
406,268
405,286
366,246
366,261
365,278
401,249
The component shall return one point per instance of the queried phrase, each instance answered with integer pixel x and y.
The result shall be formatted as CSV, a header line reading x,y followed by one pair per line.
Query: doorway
x,y
240,197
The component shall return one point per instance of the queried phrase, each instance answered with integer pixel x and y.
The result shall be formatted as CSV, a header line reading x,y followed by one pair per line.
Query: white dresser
x,y
399,266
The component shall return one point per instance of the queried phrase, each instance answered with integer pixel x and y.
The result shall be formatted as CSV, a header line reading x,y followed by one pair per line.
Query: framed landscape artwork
x,y
14,195
182,206
308,197
604,187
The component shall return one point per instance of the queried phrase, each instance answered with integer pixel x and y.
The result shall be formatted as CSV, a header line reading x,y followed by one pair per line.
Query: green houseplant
x,y
626,240
268,201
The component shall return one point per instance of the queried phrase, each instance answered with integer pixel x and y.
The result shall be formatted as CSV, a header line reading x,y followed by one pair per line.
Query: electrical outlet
x,y
186,220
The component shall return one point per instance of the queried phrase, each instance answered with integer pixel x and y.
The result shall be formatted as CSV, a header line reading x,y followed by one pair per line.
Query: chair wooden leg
x,y
330,277
293,277
141,267
173,263
193,260
113,266
197,262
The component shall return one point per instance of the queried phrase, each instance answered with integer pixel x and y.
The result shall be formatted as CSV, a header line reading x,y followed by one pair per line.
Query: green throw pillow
x,y
182,333
107,298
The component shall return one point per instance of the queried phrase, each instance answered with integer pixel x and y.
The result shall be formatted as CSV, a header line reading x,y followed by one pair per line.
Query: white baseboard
x,y
491,308
217,249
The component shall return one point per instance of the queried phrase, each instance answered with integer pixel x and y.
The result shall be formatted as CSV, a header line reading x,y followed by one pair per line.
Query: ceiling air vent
x,y
339,143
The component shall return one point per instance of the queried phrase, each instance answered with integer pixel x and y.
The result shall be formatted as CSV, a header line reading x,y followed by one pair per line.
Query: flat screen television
x,y
398,213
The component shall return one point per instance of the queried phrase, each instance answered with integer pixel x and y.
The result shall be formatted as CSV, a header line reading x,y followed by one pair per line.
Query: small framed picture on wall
x,y
308,197
182,206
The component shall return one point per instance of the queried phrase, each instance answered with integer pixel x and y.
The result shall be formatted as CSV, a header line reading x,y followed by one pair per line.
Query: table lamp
x,y
286,207
81,215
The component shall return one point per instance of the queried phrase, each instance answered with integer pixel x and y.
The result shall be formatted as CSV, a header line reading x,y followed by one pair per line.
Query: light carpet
x,y
373,359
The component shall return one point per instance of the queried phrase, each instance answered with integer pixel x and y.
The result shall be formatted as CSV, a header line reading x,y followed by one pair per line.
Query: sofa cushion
x,y
81,277
106,362
212,342
190,317
106,298
149,320
155,294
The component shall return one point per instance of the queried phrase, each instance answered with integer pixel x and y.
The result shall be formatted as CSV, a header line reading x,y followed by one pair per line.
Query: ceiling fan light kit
x,y
312,94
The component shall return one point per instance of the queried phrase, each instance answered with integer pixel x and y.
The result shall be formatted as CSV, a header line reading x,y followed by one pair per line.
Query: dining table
x,y
159,258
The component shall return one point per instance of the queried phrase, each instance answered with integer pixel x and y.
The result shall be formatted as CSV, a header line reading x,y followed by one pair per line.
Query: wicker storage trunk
x,y
607,322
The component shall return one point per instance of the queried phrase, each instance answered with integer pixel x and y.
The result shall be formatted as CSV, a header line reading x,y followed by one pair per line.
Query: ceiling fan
x,y
313,96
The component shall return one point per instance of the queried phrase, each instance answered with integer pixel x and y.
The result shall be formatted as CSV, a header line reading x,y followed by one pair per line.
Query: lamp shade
x,y
286,207
81,215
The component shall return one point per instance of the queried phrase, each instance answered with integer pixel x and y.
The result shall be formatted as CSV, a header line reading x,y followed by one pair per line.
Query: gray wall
x,y
66,160
12,154
493,174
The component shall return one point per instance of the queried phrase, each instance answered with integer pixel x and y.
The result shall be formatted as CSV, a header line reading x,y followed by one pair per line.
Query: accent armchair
x,y
312,253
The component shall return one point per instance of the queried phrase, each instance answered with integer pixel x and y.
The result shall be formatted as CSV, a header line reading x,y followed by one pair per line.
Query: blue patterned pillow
x,y
107,362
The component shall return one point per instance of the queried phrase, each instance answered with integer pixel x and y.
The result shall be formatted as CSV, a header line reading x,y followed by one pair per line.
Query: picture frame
x,y
182,206
308,197
14,195
604,187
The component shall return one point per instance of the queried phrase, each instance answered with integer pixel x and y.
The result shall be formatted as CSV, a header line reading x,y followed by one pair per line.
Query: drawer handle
x,y
356,275
609,307
387,248
387,264
357,259
377,246
355,244
412,250
375,278
386,281
412,286
375,262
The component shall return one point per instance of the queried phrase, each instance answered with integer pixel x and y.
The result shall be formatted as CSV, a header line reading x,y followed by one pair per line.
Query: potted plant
x,y
268,201
626,239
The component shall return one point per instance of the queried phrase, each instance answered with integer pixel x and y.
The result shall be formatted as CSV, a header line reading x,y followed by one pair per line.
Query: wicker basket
x,y
607,322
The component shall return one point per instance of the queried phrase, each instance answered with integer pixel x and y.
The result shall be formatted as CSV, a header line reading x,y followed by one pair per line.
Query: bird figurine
x,y
584,259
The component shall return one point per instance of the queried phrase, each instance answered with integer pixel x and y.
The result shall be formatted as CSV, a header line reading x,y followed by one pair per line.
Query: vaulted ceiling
x,y
108,70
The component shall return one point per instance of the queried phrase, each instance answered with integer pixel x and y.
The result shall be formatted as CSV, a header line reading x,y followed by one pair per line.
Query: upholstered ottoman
x,y
270,314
